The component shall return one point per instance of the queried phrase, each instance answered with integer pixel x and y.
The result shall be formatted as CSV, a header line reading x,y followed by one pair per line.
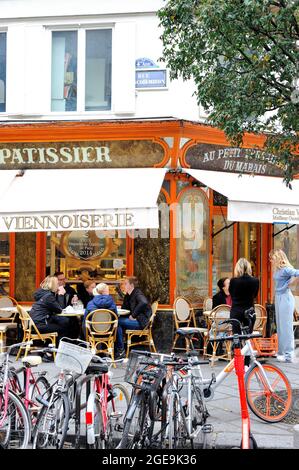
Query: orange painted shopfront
x,y
166,267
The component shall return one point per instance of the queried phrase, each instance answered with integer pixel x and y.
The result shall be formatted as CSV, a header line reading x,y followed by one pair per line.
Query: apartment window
x,y
64,71
98,70
2,72
81,70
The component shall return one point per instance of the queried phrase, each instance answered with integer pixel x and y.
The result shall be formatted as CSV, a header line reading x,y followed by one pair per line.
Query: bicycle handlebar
x,y
237,337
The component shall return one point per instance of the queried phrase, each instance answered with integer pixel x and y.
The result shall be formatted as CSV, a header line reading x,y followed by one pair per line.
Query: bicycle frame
x,y
246,350
101,387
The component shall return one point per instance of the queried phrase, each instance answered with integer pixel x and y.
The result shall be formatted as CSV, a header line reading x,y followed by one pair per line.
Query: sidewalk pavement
x,y
224,409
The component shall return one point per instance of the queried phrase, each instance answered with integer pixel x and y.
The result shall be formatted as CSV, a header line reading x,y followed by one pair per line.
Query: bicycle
x,y
247,441
268,390
15,423
34,385
146,377
184,409
106,406
53,420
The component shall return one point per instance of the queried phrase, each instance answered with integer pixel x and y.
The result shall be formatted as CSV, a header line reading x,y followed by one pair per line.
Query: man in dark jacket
x,y
101,300
85,291
66,295
140,309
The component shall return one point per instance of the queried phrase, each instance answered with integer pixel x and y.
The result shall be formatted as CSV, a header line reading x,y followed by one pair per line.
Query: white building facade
x,y
68,59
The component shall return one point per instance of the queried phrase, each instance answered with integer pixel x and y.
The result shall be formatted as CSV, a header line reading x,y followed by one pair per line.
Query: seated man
x,y
140,309
66,295
101,299
85,293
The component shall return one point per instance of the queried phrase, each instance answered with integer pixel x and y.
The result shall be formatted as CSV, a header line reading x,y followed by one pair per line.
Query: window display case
x,y
82,255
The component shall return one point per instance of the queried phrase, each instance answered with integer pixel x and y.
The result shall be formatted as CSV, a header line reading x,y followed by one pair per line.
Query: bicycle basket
x,y
266,346
72,357
132,366
133,376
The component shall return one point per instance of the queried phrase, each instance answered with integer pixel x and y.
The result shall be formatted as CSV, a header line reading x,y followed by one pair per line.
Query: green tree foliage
x,y
243,56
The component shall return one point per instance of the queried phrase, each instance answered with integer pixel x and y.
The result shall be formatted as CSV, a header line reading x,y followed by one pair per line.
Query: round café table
x,y
123,312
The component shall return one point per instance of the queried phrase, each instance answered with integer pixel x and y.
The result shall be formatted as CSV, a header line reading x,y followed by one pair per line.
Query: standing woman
x,y
243,289
284,304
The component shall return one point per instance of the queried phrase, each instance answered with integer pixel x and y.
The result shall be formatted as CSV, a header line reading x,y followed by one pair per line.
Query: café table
x,y
13,308
123,312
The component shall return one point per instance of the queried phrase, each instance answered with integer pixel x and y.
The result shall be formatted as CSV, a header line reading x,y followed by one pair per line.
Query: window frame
x,y
81,67
4,31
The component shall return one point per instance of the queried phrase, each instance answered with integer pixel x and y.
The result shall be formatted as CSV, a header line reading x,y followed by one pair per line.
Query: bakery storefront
x,y
105,221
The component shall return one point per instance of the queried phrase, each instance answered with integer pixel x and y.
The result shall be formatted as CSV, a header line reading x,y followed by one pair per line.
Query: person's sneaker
x,y
120,354
291,360
280,358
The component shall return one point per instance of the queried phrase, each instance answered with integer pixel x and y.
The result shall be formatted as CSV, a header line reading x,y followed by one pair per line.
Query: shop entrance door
x,y
249,246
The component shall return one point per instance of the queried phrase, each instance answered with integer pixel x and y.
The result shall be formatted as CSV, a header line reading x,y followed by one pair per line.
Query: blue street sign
x,y
150,79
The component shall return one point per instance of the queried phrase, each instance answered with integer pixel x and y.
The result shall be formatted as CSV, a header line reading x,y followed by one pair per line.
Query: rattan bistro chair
x,y
260,323
207,305
183,314
101,327
31,332
218,314
145,337
7,318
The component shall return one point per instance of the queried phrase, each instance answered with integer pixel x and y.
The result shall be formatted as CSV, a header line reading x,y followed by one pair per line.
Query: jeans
x,y
55,324
125,324
284,311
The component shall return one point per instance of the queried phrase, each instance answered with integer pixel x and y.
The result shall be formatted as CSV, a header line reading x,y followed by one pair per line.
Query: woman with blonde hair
x,y
243,289
284,304
45,308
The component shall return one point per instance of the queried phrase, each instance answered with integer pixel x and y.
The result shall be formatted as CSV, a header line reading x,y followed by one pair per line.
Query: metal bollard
x,y
296,436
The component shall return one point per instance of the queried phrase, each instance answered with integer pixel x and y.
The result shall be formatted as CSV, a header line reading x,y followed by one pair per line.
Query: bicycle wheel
x,y
198,417
15,427
52,424
98,428
266,405
136,425
116,411
40,388
177,433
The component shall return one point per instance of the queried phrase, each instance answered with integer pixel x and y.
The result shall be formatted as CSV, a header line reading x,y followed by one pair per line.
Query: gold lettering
x,y
66,156
30,152
16,156
8,221
41,154
4,155
51,153
86,157
103,152
84,221
77,154
128,220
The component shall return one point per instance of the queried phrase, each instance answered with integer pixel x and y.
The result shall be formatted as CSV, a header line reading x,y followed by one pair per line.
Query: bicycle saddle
x,y
187,331
97,368
32,360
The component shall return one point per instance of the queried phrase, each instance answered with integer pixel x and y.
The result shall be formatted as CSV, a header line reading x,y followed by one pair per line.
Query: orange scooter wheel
x,y
271,406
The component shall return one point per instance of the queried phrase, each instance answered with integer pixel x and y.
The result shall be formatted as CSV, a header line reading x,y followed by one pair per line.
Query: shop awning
x,y
88,199
254,198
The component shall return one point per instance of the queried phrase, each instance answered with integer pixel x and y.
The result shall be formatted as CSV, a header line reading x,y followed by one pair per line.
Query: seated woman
x,y
101,299
46,306
223,296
